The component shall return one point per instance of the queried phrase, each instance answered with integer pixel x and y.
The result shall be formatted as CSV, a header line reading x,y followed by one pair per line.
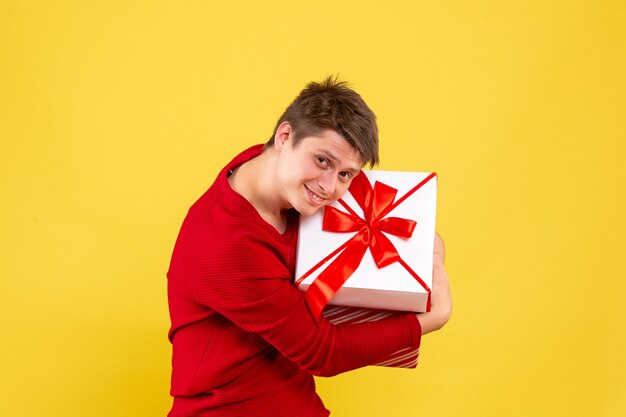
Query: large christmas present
x,y
372,248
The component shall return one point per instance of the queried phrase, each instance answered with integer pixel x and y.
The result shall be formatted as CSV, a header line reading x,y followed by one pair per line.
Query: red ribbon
x,y
376,204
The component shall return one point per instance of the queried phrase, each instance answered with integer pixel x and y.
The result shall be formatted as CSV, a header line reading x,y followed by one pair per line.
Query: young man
x,y
244,341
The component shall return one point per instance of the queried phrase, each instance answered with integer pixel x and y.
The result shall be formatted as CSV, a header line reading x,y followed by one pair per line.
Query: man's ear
x,y
283,134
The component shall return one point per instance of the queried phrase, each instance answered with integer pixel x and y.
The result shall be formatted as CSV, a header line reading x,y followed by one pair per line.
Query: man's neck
x,y
255,182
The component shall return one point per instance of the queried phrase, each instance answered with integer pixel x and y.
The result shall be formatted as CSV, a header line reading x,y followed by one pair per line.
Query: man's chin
x,y
308,210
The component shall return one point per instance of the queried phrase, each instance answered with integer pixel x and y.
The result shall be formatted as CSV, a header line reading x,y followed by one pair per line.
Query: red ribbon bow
x,y
376,204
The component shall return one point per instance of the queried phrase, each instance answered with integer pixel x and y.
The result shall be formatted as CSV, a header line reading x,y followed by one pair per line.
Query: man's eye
x,y
345,175
322,161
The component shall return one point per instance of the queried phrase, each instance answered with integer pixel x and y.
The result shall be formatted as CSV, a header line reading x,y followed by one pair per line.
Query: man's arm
x,y
441,299
256,293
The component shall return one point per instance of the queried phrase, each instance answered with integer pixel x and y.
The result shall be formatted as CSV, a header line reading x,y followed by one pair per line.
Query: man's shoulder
x,y
225,220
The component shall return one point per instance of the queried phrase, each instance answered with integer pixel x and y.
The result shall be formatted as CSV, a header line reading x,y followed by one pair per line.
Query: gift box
x,y
372,248
404,358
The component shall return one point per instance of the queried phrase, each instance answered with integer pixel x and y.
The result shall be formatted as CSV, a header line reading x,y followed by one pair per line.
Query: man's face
x,y
317,171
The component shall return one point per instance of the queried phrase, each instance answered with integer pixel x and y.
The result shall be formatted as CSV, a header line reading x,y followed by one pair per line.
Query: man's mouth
x,y
314,197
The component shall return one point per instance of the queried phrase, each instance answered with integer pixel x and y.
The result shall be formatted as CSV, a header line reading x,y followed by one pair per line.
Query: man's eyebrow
x,y
332,156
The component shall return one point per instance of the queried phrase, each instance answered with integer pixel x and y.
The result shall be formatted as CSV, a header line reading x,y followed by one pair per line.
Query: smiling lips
x,y
314,198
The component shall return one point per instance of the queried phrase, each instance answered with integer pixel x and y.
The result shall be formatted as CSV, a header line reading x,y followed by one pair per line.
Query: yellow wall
x,y
116,115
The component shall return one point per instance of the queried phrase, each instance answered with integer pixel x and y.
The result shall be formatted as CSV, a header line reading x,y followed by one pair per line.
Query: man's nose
x,y
328,182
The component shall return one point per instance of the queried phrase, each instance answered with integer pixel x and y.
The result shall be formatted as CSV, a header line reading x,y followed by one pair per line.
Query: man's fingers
x,y
439,271
437,263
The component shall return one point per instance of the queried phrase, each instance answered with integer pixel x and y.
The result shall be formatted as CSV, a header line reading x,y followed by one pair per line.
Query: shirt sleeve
x,y
242,278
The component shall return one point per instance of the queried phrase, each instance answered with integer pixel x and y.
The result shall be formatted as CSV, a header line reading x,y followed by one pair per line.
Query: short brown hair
x,y
332,104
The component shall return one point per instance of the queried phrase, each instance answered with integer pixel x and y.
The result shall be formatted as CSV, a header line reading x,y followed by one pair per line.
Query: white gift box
x,y
402,285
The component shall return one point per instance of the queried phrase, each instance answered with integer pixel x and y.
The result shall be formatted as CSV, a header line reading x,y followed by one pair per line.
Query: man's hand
x,y
441,300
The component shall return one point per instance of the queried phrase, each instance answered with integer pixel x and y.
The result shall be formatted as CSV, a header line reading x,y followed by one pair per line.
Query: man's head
x,y
333,105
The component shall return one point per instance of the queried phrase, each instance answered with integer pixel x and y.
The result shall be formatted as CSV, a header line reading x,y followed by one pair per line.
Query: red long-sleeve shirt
x,y
244,340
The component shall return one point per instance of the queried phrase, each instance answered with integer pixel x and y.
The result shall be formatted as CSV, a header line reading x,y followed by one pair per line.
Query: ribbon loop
x,y
383,197
361,190
338,221
397,226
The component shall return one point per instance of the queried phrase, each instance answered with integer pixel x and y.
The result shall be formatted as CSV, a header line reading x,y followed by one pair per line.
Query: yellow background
x,y
115,116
